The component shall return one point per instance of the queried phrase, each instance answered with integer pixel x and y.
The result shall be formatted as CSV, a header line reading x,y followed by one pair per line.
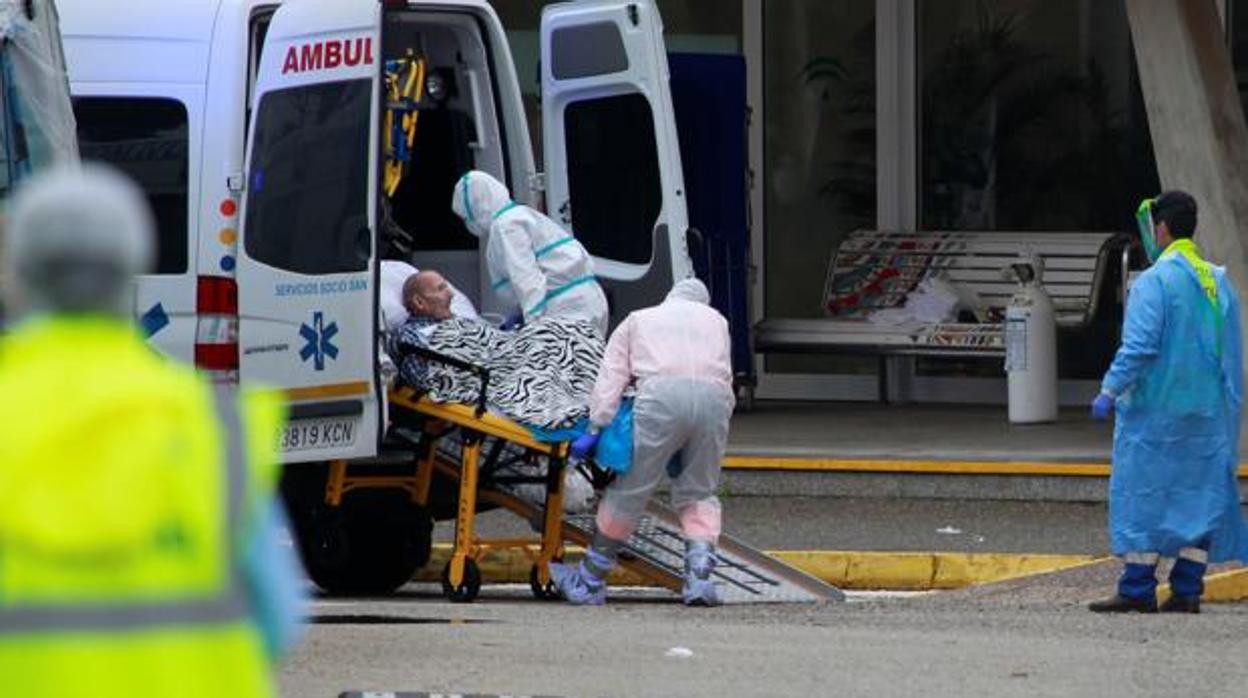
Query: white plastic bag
x,y
935,300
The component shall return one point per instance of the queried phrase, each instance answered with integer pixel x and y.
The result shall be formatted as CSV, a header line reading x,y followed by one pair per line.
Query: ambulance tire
x,y
372,544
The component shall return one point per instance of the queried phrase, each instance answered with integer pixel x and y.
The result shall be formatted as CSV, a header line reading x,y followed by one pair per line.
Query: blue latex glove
x,y
584,445
1102,407
513,321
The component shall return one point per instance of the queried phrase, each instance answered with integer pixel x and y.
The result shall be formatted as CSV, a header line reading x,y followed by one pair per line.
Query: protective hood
x,y
76,237
690,289
478,198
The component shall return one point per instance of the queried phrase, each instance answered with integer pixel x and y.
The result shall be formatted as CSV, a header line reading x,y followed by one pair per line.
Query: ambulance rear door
x,y
612,159
307,259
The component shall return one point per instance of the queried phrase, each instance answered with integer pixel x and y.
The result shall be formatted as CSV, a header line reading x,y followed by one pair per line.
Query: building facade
x,y
951,115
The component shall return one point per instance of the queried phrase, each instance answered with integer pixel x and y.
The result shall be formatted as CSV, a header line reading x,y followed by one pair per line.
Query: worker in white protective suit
x,y
534,264
677,353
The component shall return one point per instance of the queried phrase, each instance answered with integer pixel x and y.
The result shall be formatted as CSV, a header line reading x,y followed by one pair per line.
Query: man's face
x,y
1163,236
433,296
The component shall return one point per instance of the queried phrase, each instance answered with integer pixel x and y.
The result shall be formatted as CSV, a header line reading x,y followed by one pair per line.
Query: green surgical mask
x,y
1148,234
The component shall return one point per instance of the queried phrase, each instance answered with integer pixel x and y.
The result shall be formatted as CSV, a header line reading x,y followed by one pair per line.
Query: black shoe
x,y
1181,604
1121,604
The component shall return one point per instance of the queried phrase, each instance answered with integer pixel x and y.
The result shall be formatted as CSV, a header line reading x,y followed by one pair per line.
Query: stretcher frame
x,y
745,574
461,578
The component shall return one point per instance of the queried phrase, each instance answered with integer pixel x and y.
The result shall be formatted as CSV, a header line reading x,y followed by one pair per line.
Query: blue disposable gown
x,y
1179,387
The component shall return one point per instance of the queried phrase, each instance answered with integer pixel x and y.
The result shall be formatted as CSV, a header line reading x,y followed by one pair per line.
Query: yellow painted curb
x,y
903,571
1223,587
921,571
930,467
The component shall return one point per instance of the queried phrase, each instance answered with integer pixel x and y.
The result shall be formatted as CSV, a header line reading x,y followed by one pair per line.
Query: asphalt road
x,y
959,644
1018,638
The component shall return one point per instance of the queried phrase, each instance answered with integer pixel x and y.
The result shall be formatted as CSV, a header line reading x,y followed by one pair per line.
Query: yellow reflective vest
x,y
126,485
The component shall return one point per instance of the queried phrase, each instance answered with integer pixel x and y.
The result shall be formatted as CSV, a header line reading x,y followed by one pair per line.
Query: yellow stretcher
x,y
450,441
471,427
461,580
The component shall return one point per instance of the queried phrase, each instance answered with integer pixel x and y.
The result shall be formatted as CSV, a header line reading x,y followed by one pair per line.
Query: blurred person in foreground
x,y
1176,385
139,551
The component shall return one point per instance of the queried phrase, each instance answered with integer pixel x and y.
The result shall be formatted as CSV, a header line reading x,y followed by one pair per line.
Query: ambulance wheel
x,y
468,589
372,544
543,592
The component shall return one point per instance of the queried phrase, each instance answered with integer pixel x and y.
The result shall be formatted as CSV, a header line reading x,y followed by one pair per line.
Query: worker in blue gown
x,y
1176,386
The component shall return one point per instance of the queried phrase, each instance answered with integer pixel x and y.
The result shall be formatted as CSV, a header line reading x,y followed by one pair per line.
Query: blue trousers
x,y
1139,581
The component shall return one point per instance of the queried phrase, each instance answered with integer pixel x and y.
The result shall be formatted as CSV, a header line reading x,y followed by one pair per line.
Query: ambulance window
x,y
613,176
307,208
260,20
587,50
146,138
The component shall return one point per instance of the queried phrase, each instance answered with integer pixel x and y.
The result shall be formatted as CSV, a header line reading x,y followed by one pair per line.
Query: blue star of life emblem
x,y
319,338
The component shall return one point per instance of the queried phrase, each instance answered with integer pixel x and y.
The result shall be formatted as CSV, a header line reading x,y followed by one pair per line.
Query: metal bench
x,y
873,270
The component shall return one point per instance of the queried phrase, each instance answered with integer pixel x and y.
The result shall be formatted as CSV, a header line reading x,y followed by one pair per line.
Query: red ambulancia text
x,y
327,55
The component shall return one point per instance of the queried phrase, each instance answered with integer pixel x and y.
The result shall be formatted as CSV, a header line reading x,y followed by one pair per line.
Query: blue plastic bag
x,y
615,448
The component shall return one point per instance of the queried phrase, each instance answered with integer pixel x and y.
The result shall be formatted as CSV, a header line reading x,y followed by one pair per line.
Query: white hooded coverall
x,y
678,353
533,263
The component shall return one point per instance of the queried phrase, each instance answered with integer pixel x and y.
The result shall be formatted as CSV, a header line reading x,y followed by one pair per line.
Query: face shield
x,y
1148,229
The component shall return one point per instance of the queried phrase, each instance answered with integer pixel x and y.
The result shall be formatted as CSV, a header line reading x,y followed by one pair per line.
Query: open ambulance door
x,y
612,159
307,256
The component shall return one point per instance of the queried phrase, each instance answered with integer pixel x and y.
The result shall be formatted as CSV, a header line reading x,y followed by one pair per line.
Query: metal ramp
x,y
655,551
743,573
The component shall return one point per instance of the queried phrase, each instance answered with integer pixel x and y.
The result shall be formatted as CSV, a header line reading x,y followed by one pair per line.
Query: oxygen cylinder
x,y
1031,355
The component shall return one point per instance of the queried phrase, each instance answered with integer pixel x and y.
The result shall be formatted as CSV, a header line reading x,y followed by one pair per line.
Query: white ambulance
x,y
269,137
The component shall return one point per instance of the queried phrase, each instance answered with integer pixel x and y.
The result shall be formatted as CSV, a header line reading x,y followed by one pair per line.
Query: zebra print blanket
x,y
540,375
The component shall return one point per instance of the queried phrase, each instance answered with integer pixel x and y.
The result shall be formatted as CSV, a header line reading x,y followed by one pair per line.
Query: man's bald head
x,y
426,293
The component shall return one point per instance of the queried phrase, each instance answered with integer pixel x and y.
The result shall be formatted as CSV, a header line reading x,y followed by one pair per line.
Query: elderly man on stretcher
x,y
541,374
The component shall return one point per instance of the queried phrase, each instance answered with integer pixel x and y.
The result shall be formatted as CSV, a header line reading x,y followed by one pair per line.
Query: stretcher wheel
x,y
544,592
467,591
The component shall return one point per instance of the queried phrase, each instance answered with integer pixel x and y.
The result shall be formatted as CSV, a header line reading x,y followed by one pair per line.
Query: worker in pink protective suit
x,y
677,353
